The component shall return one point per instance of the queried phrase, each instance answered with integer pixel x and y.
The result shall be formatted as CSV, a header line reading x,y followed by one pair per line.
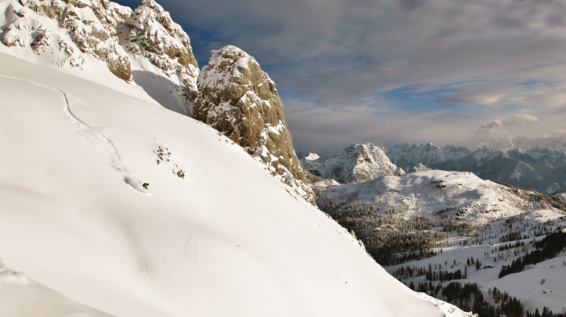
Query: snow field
x,y
225,240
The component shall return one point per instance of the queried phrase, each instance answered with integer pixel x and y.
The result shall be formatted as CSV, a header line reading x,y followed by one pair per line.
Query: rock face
x,y
153,35
356,163
238,99
111,33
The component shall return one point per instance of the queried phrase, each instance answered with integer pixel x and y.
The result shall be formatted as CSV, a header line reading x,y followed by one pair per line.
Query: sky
x,y
395,71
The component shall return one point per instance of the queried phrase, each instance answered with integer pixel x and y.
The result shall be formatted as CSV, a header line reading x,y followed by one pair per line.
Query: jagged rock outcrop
x,y
153,35
419,168
355,163
240,100
123,39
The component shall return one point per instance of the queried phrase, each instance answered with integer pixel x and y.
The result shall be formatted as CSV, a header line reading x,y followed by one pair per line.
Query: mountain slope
x,y
214,233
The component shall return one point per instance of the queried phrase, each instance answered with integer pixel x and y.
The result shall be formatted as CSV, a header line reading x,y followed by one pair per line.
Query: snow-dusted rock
x,y
358,163
66,32
419,168
240,100
153,35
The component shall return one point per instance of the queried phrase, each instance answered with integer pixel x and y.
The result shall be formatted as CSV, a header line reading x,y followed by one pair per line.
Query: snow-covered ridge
x,y
355,163
426,193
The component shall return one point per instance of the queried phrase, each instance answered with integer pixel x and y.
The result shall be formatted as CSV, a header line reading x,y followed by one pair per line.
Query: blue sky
x,y
393,71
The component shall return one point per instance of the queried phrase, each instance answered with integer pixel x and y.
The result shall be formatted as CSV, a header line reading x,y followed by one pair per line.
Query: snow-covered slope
x,y
355,163
22,296
213,235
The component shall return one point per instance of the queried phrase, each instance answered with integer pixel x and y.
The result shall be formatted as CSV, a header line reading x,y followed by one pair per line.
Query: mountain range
x,y
543,170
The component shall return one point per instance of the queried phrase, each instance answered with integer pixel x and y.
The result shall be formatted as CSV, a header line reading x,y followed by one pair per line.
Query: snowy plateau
x,y
114,205
451,234
433,228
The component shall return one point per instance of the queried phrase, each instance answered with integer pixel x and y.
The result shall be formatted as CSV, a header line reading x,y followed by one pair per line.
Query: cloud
x,y
343,50
496,56
520,119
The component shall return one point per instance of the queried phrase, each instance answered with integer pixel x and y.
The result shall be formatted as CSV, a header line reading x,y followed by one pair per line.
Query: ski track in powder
x,y
115,155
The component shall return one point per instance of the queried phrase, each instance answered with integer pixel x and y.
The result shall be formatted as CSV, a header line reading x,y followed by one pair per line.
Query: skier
x,y
145,185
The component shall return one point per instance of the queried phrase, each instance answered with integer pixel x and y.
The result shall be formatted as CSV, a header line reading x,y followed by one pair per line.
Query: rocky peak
x,y
85,27
153,35
359,162
492,134
240,100
107,31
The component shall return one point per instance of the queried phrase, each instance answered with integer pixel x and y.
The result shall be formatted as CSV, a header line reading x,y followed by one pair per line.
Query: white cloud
x,y
339,52
520,119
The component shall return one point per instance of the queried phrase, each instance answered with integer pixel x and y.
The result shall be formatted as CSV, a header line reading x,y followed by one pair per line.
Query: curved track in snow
x,y
115,155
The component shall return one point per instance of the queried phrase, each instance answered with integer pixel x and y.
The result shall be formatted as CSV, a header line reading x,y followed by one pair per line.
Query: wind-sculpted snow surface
x,y
356,163
226,239
240,100
115,159
22,296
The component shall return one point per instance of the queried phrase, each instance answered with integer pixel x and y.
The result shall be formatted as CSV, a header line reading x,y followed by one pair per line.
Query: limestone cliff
x,y
70,32
240,100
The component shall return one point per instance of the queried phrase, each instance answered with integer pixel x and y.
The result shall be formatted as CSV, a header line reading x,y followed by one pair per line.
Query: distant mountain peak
x,y
355,163
492,134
